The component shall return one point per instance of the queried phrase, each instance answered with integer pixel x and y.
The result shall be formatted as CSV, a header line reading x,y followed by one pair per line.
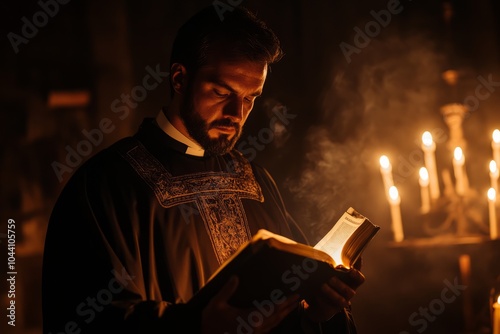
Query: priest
x,y
143,224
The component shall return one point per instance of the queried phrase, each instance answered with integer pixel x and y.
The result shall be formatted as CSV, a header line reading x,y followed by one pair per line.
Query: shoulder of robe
x,y
107,163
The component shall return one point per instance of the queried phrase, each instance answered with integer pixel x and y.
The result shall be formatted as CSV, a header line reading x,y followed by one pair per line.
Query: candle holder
x,y
453,213
458,210
453,114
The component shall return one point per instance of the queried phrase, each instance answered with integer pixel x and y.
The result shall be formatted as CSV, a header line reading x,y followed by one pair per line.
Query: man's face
x,y
219,99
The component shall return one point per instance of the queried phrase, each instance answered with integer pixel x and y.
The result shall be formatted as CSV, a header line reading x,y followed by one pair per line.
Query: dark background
x,y
348,113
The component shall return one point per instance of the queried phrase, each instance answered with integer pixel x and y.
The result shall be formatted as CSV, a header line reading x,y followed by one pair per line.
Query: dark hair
x,y
239,33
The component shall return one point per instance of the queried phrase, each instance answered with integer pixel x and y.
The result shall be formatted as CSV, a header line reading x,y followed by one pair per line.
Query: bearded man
x,y
142,225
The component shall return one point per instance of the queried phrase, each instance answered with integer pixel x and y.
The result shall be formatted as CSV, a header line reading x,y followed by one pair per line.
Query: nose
x,y
235,110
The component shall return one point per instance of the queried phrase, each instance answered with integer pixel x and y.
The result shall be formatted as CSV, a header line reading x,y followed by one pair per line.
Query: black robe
x,y
141,226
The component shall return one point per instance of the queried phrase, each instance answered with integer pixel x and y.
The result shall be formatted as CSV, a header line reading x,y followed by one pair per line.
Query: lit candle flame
x,y
458,153
384,162
498,300
427,138
496,136
393,193
492,194
424,175
493,167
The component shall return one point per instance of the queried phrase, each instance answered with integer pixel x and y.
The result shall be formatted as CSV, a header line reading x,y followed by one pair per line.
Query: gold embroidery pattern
x,y
223,215
217,196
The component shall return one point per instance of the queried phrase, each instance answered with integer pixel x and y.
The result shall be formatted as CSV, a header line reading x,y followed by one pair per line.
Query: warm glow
x,y
498,300
496,136
427,138
492,194
393,193
458,154
384,162
493,167
424,175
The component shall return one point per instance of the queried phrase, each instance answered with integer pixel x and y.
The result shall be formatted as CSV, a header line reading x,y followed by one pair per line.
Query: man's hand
x,y
220,317
333,296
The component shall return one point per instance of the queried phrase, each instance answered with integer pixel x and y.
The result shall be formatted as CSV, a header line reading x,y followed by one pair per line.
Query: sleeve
x,y
297,321
292,229
93,278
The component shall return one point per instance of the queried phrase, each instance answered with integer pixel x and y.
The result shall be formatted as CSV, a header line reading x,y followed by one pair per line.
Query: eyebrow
x,y
229,88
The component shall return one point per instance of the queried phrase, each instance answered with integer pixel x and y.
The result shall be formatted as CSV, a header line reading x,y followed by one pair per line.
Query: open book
x,y
270,265
348,238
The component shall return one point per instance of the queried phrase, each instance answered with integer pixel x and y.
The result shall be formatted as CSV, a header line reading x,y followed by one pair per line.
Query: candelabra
x,y
456,210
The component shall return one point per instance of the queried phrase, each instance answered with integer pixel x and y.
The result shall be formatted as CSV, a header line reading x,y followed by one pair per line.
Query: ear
x,y
178,78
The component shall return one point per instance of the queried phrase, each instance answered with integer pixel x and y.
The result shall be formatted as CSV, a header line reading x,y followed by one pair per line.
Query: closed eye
x,y
251,98
220,94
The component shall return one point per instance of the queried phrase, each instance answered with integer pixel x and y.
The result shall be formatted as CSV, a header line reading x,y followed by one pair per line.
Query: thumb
x,y
228,289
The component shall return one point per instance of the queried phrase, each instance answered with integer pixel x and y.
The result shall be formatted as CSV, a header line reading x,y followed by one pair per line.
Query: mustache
x,y
225,123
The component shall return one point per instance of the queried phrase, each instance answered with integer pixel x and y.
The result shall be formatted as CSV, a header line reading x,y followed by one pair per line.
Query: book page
x,y
333,242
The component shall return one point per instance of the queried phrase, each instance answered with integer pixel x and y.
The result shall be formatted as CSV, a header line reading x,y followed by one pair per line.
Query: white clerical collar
x,y
167,127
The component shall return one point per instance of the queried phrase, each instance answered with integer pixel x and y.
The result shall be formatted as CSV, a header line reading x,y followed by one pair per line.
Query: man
x,y
140,228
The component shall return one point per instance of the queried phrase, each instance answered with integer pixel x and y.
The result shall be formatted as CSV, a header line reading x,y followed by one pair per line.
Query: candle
x,y
386,171
494,175
429,148
458,168
495,145
496,316
397,224
424,189
493,213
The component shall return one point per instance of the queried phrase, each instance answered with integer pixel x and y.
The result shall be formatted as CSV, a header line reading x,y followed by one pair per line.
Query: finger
x,y
342,288
357,278
291,301
227,290
336,293
354,278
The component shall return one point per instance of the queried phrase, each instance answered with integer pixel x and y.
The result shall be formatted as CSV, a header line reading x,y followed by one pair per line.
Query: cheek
x,y
207,109
203,102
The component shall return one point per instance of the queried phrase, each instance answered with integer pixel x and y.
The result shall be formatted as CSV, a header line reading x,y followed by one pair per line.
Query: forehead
x,y
238,73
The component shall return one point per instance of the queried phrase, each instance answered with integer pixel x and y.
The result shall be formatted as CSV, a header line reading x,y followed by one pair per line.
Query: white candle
x,y
397,223
493,213
429,148
494,175
424,190
386,171
458,168
496,316
495,145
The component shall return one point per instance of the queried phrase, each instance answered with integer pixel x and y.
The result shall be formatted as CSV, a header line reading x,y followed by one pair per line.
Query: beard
x,y
198,129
